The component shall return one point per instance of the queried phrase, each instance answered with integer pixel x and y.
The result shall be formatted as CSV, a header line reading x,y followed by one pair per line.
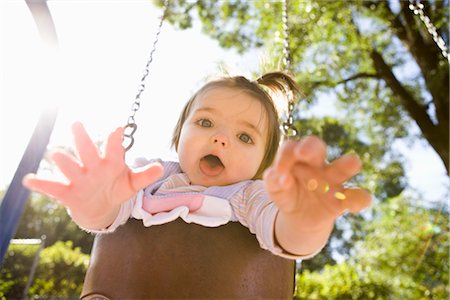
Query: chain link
x,y
131,126
287,48
288,125
417,8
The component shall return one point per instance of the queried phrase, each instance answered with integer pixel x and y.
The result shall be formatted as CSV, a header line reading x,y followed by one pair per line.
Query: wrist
x,y
300,238
306,223
96,222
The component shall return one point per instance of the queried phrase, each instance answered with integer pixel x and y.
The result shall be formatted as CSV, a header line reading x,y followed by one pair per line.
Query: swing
x,y
221,262
189,261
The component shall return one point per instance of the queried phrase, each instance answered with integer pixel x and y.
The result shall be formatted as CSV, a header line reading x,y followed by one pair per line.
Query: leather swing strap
x,y
185,261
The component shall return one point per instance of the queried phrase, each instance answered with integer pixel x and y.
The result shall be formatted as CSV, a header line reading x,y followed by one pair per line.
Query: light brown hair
x,y
277,82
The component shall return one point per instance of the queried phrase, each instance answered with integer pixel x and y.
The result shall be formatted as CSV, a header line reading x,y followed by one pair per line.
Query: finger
x,y
356,199
285,158
279,189
274,182
142,177
87,150
311,151
114,150
68,165
343,168
52,189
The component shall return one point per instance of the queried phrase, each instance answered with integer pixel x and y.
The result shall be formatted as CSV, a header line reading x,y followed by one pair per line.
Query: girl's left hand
x,y
302,183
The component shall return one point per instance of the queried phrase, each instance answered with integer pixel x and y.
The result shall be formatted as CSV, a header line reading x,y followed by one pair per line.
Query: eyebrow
x,y
245,123
251,127
207,109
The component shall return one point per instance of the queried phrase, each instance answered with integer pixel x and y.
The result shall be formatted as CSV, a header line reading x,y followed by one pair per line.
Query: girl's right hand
x,y
97,184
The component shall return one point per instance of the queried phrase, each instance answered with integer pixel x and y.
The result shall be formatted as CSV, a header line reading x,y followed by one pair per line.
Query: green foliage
x,y
60,272
365,57
400,249
374,56
45,217
411,243
403,256
343,138
15,270
62,264
340,281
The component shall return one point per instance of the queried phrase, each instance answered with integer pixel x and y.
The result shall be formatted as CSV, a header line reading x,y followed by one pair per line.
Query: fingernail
x,y
282,180
304,152
352,156
312,185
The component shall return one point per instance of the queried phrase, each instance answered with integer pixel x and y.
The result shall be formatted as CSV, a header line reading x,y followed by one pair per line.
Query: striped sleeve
x,y
254,209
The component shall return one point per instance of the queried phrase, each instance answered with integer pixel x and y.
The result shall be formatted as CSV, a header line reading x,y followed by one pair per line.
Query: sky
x,y
94,74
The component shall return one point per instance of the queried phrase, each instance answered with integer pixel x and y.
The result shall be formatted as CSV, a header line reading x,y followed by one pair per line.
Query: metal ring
x,y
129,135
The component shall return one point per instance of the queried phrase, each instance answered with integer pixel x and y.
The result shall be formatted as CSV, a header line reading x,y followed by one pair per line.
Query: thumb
x,y
142,177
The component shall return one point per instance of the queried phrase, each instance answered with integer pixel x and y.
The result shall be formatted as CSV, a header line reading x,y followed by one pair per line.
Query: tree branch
x,y
357,76
437,135
315,84
426,55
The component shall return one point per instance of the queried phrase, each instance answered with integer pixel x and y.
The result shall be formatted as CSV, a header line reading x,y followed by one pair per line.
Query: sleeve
x,y
254,209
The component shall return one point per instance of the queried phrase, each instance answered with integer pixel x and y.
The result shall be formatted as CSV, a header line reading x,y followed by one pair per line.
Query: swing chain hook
x,y
289,129
417,8
131,126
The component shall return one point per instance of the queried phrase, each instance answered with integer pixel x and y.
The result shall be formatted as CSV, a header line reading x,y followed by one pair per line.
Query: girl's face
x,y
224,138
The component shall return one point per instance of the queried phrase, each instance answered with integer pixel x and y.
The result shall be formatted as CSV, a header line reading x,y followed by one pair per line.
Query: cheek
x,y
183,150
188,147
252,160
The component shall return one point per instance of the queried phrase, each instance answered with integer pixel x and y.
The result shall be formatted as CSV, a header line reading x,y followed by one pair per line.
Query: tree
x,y
45,217
60,272
62,264
406,244
375,56
343,138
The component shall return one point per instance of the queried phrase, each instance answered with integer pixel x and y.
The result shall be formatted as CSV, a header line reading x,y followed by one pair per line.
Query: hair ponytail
x,y
279,82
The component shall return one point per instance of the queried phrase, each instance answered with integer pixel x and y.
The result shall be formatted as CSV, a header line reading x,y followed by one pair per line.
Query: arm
x,y
309,194
97,185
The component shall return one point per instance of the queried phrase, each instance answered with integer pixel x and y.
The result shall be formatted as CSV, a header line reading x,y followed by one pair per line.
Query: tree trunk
x,y
437,134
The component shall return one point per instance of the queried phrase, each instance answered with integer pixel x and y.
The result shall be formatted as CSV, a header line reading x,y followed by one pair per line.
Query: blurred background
x,y
374,82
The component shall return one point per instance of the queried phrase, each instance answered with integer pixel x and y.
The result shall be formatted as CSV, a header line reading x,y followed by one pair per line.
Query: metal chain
x,y
131,126
417,8
287,48
288,125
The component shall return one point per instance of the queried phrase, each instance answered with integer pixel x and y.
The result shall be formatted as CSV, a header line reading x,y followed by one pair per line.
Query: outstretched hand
x,y
97,184
308,190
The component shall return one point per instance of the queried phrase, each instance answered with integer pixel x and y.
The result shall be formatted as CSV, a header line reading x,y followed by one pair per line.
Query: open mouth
x,y
211,165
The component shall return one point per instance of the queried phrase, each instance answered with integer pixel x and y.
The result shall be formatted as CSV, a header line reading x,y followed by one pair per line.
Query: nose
x,y
220,139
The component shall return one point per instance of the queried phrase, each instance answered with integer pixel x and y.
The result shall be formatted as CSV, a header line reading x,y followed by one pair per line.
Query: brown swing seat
x,y
185,261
